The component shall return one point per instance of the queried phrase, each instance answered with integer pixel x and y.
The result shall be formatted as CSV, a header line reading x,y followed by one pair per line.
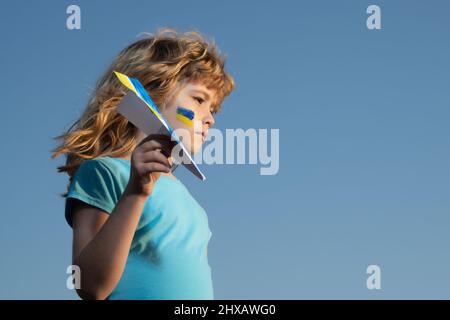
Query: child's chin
x,y
195,148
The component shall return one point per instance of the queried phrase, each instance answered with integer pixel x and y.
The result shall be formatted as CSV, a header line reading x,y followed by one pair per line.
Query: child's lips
x,y
203,134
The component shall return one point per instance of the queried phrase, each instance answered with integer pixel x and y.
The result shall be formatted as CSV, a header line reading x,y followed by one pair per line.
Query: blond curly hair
x,y
160,61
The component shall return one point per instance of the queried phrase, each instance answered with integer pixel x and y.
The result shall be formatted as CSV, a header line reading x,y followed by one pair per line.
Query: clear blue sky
x,y
364,153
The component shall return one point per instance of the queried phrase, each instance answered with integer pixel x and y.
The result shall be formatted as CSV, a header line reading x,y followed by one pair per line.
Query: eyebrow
x,y
202,92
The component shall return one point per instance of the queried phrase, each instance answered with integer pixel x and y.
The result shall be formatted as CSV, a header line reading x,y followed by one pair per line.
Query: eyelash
x,y
199,100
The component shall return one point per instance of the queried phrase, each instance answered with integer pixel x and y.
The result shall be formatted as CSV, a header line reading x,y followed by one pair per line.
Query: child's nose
x,y
208,119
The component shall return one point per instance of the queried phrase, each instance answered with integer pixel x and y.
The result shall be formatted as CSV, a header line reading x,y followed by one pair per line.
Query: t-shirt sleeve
x,y
94,184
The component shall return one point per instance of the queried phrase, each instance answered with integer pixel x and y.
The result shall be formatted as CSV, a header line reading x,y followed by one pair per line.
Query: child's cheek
x,y
185,115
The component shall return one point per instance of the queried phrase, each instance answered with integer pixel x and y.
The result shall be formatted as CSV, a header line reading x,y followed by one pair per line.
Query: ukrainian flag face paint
x,y
186,116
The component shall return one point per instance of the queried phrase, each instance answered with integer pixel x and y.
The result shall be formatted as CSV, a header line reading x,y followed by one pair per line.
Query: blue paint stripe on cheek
x,y
186,112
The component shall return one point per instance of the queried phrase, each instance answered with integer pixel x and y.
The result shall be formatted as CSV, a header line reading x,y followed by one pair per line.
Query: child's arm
x,y
102,242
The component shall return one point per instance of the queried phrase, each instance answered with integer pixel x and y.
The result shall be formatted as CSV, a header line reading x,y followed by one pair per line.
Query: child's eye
x,y
199,100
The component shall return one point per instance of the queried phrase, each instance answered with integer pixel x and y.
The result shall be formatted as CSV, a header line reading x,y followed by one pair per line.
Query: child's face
x,y
190,109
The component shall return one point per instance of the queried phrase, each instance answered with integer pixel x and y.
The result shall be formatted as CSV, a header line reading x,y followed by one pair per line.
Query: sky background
x,y
364,142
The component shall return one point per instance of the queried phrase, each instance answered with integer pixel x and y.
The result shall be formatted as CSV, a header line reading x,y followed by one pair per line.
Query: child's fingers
x,y
155,156
165,146
150,145
154,137
151,167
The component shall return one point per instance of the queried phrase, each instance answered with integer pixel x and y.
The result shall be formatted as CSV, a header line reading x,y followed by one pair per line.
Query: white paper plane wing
x,y
140,110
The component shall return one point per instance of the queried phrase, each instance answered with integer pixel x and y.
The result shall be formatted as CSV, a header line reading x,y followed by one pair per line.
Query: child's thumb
x,y
154,176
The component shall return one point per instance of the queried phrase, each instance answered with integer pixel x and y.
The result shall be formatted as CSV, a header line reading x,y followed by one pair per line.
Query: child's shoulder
x,y
99,182
94,164
104,165
111,161
105,161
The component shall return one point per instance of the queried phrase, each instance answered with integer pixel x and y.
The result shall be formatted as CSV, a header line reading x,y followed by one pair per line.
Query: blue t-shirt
x,y
167,258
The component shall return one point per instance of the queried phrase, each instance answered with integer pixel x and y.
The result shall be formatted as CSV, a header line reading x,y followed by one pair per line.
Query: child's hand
x,y
148,160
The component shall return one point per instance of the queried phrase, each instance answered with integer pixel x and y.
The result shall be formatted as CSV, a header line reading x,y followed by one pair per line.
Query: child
x,y
137,231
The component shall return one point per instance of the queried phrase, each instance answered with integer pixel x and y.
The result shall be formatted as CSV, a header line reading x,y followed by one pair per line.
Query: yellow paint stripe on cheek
x,y
185,120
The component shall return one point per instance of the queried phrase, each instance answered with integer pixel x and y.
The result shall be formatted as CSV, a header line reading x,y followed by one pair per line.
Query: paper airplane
x,y
140,110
